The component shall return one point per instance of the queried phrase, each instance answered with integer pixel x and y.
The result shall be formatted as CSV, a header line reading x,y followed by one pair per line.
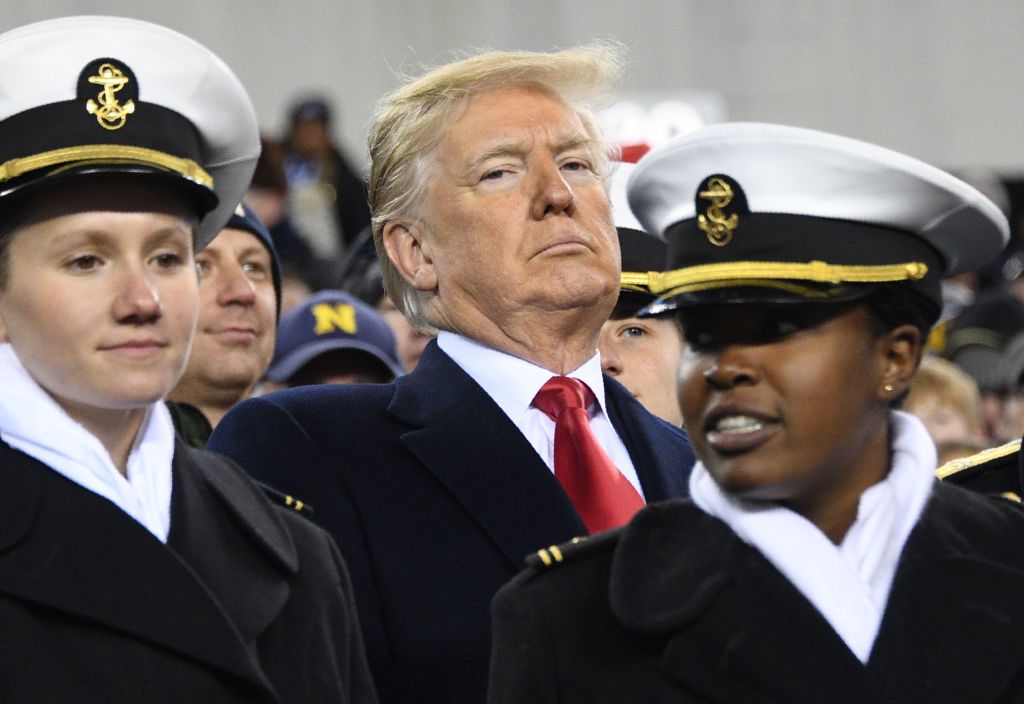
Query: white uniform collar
x,y
513,382
849,583
33,422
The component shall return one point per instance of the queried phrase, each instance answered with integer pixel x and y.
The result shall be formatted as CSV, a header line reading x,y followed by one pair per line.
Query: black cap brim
x,y
766,293
202,199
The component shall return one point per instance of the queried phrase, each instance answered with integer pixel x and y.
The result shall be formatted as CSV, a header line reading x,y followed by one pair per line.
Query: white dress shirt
x,y
848,583
513,383
33,422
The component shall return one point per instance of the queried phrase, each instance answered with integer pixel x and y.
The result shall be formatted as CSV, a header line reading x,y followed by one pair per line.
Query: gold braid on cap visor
x,y
785,275
105,153
639,281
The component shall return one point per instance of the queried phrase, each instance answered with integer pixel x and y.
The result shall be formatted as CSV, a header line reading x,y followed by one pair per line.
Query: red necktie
x,y
602,496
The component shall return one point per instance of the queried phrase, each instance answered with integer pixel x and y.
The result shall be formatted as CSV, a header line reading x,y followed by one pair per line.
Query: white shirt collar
x,y
513,382
849,583
33,422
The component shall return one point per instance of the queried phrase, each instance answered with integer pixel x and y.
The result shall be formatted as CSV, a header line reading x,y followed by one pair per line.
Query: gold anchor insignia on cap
x,y
109,112
715,223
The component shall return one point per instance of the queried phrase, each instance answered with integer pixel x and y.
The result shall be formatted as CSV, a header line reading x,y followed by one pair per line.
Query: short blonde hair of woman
x,y
411,121
943,380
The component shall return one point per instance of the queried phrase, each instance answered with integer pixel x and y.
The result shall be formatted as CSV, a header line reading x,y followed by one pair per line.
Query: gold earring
x,y
887,388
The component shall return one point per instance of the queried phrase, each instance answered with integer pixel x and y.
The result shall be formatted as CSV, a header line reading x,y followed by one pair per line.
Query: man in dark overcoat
x,y
493,226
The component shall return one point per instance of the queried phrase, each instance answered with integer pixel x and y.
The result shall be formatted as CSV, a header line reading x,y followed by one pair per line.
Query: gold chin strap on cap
x,y
780,274
105,153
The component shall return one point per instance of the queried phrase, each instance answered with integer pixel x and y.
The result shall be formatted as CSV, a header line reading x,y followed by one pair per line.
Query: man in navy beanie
x,y
239,301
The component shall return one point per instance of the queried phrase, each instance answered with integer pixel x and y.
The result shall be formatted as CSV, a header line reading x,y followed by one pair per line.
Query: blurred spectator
x,y
947,401
1010,371
975,343
268,197
960,291
295,286
1005,267
332,338
239,291
327,197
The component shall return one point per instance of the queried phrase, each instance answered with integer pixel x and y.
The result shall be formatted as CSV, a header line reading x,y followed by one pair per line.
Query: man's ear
x,y
410,254
901,348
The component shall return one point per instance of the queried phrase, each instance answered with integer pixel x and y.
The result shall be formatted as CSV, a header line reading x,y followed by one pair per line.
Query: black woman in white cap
x,y
817,560
133,568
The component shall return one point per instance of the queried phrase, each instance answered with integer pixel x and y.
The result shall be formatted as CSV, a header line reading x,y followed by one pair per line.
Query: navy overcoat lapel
x,y
64,548
734,629
465,440
663,467
227,533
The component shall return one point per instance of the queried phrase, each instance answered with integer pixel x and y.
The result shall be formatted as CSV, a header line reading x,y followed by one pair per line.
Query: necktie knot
x,y
560,393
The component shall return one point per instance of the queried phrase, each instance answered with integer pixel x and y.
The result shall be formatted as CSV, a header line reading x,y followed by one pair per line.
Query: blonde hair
x,y
943,380
410,122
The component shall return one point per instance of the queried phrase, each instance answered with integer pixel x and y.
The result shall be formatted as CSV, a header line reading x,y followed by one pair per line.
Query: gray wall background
x,y
939,79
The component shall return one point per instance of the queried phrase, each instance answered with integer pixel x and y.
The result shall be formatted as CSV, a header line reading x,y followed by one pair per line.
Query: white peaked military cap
x,y
769,213
83,96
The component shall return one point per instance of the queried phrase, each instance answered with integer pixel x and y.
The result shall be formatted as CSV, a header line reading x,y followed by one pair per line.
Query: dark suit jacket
x,y
676,608
245,603
435,499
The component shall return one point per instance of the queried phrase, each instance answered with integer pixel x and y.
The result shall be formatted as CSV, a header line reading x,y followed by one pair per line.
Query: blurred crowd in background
x,y
313,200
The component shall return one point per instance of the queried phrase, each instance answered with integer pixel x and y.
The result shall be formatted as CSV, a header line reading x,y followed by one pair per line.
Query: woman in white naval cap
x,y
133,568
817,560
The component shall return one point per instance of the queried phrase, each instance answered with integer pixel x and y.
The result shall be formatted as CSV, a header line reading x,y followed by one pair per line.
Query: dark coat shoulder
x,y
993,471
675,608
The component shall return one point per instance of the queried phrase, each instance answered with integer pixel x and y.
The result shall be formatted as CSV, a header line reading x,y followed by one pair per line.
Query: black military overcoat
x,y
247,602
675,608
